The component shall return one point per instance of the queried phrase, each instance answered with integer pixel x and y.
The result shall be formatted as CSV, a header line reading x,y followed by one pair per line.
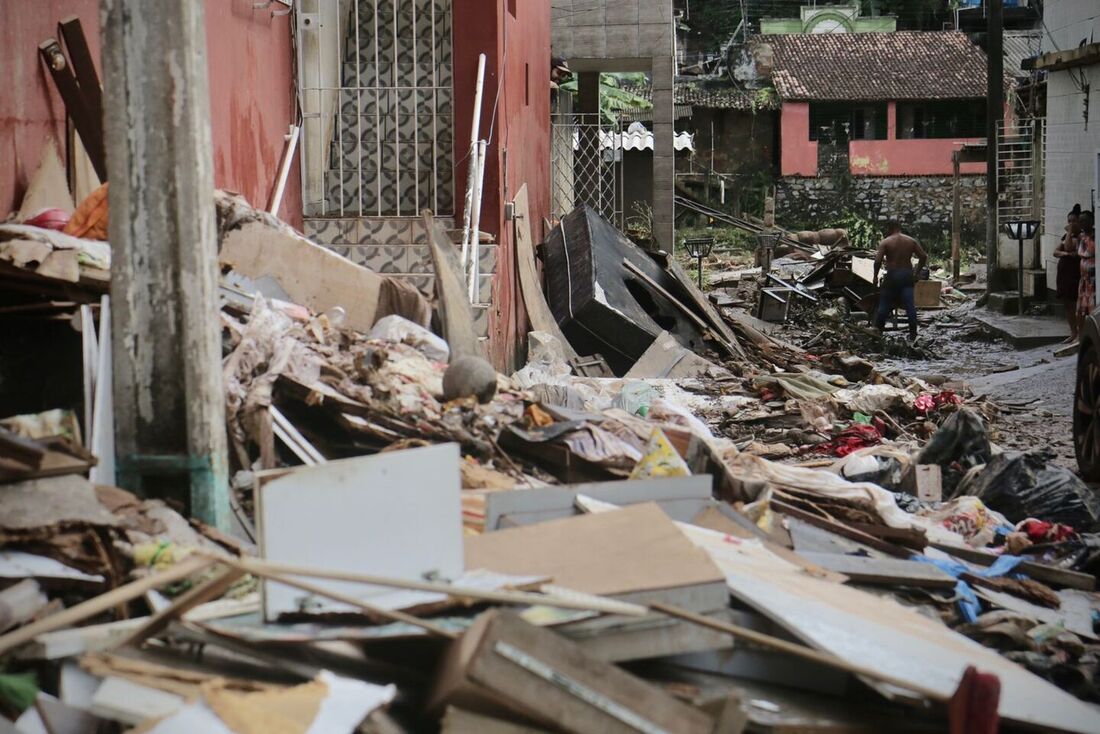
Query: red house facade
x,y
876,113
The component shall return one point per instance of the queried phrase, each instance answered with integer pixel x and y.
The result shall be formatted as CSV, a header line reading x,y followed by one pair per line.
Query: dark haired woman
x,y
1069,271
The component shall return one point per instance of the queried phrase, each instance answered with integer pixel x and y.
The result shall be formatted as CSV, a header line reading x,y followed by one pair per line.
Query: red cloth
x,y
853,438
1041,531
973,708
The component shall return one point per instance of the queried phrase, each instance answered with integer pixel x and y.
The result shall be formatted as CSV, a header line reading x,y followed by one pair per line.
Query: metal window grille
x,y
1020,146
375,84
586,155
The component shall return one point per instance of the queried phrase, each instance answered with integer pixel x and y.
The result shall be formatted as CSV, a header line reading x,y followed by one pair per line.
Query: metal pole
x,y
471,174
1020,278
994,114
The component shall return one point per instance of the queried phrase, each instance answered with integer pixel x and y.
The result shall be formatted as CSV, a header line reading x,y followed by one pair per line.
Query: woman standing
x,y
1069,271
1086,250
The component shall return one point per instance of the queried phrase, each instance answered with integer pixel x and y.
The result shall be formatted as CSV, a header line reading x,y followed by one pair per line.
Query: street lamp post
x,y
1020,230
698,248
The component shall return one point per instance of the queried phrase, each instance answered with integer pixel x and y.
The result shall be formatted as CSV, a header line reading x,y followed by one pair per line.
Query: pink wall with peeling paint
x,y
907,157
251,92
798,154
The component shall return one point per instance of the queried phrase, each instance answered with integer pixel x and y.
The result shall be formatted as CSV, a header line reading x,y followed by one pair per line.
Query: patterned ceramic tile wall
x,y
392,147
387,245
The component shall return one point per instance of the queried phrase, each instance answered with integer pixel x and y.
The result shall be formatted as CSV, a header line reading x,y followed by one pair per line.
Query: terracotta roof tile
x,y
876,66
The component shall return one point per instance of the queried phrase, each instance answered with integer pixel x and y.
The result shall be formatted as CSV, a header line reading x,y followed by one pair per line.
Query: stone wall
x,y
921,203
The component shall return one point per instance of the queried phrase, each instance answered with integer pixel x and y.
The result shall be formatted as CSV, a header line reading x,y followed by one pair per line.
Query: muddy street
x,y
1033,387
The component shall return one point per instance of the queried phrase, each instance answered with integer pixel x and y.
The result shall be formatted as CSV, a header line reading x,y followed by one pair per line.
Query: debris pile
x,y
667,520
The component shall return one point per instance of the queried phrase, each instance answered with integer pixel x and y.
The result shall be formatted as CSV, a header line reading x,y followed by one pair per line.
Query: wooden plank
x,y
887,639
460,721
883,571
534,300
104,602
701,302
680,497
195,596
455,310
554,682
842,530
691,315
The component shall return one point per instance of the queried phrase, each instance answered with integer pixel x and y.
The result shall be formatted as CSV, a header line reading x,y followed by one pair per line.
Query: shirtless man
x,y
898,251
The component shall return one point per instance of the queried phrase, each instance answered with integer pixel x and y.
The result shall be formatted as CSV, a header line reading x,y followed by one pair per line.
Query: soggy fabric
x,y
89,221
970,518
851,439
755,474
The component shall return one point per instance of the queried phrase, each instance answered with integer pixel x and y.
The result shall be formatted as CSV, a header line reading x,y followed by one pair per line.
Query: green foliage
x,y
18,690
615,95
862,232
763,98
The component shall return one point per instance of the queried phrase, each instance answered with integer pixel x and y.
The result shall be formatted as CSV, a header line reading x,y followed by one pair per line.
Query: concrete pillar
x,y
168,399
664,154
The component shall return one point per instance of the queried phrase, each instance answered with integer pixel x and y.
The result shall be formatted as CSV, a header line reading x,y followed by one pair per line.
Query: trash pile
x,y
666,520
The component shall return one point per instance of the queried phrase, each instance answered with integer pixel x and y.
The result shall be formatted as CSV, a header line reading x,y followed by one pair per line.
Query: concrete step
x,y
1024,332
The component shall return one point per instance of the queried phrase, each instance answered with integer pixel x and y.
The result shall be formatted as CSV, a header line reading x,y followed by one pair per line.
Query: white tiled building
x,y
1072,160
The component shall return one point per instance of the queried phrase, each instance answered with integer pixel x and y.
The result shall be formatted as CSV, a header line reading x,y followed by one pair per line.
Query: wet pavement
x,y
1034,386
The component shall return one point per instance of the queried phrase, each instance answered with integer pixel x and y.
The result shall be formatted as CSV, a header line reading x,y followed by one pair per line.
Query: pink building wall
x,y
928,157
251,92
890,157
798,154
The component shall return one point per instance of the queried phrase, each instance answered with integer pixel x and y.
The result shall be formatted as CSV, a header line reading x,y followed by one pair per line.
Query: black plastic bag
x,y
1023,485
958,445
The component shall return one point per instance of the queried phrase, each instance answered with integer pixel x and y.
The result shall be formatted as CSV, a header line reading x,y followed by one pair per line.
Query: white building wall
x,y
1072,145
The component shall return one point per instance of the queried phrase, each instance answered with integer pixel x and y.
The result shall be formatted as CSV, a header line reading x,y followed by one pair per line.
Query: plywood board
x,y
665,358
634,549
455,311
313,276
395,514
881,634
503,662
534,301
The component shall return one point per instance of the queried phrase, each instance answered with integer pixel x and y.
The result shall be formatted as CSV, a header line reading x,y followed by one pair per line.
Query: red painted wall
x,y
251,90
250,55
30,109
890,157
907,157
798,154
518,71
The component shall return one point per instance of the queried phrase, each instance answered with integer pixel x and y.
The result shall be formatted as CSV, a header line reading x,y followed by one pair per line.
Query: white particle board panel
x,y
883,635
394,514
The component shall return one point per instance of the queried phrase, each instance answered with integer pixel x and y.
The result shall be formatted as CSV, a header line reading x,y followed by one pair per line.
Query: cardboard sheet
x,y
634,549
312,275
